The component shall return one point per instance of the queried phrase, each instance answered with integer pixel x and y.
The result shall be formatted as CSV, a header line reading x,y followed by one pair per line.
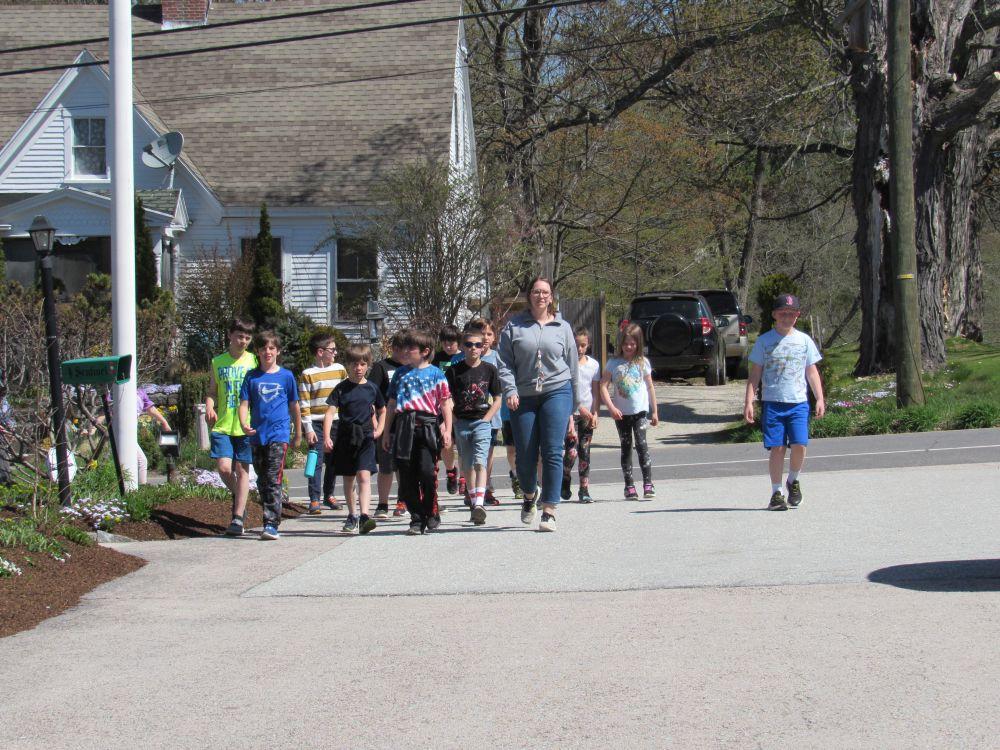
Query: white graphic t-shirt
x,y
784,360
588,372
628,385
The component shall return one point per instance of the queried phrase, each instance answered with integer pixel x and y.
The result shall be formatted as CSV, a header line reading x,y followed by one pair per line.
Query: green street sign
x,y
97,370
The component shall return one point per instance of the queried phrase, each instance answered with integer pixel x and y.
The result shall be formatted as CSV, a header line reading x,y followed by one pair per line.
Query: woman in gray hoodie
x,y
537,364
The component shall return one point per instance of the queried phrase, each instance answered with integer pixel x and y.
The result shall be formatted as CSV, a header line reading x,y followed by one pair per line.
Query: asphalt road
x,y
866,618
750,459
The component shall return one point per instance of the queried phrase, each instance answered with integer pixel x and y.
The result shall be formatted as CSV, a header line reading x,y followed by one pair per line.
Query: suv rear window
x,y
654,308
722,303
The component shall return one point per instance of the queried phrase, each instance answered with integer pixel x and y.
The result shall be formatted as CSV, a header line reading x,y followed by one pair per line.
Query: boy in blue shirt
x,y
784,359
269,408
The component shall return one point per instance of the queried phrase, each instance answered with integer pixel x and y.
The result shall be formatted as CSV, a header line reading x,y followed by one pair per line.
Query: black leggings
x,y
418,479
578,448
628,427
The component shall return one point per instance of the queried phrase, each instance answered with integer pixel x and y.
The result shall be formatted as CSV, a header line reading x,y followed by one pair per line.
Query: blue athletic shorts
x,y
784,424
231,447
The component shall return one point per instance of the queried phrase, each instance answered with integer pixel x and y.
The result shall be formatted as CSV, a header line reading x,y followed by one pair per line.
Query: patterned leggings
x,y
629,427
578,447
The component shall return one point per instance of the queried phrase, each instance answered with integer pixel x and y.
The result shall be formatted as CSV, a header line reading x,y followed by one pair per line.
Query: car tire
x,y
716,371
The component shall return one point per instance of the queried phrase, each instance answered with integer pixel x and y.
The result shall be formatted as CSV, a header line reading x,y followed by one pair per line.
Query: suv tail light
x,y
623,324
743,328
706,326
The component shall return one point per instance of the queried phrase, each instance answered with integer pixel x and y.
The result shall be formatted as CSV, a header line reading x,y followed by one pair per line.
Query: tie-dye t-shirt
x,y
628,384
419,389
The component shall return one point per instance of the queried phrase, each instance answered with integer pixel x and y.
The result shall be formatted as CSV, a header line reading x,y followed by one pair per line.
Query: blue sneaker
x,y
269,533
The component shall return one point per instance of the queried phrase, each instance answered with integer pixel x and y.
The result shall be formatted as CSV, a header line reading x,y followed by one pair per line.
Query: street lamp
x,y
43,238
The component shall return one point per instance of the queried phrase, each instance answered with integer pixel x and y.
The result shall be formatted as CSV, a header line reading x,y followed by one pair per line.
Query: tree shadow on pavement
x,y
942,575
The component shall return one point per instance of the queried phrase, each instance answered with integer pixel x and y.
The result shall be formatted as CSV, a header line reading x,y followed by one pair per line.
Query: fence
x,y
591,314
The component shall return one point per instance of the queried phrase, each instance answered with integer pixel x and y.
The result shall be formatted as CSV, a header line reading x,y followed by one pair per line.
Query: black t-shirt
x,y
472,387
442,360
354,401
381,375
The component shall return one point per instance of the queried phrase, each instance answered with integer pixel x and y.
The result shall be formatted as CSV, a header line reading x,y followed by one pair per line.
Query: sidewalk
x,y
696,620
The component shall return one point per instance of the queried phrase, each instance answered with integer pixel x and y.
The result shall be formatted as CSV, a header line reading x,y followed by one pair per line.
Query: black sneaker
x,y
479,515
416,525
235,527
382,512
528,511
584,495
794,493
777,502
452,481
367,524
565,493
433,521
350,526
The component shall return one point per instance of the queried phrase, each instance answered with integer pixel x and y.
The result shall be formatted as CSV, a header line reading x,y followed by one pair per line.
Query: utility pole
x,y
909,389
123,336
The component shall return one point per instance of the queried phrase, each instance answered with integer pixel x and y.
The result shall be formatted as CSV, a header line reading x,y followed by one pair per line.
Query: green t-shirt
x,y
229,375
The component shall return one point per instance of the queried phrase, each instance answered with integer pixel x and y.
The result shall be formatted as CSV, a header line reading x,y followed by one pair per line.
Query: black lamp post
x,y
43,237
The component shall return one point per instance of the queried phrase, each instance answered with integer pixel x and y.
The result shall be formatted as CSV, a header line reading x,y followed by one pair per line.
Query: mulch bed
x,y
195,517
48,587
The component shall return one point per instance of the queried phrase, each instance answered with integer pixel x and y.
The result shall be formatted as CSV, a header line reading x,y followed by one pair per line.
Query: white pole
x,y
123,233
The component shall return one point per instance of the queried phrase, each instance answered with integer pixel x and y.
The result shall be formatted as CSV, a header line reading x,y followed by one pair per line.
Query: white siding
x,y
42,166
308,284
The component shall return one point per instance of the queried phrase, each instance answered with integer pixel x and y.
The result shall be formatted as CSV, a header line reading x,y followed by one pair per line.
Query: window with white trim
x,y
357,277
90,157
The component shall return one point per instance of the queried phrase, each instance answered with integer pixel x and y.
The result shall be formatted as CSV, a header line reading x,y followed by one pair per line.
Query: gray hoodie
x,y
520,365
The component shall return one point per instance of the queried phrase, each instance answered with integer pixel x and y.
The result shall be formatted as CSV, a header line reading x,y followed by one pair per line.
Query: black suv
x,y
682,334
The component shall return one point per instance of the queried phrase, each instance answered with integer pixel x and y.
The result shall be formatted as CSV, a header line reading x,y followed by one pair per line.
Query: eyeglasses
x,y
473,344
540,293
329,349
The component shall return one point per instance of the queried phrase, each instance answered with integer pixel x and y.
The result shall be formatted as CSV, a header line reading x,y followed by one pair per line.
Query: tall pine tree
x,y
264,303
146,290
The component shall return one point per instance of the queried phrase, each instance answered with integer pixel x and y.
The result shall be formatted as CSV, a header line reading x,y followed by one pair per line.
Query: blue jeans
x,y
540,425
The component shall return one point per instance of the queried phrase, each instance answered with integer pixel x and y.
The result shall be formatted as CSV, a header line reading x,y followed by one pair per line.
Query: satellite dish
x,y
163,152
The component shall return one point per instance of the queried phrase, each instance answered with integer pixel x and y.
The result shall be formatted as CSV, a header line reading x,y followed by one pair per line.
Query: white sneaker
x,y
548,522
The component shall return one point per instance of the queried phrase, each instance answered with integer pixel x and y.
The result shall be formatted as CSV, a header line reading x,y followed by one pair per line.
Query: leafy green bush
x,y
877,420
922,418
74,534
834,424
769,288
149,445
295,329
99,481
21,532
977,415
194,388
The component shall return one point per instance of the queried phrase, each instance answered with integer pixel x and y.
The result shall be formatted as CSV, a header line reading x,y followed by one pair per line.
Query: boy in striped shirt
x,y
315,386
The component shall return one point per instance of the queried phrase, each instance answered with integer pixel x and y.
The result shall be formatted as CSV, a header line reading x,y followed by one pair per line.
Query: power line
x,y
300,38
211,26
340,81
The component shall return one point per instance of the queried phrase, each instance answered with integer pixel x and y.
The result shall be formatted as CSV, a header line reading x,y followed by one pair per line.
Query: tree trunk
x,y
750,240
722,243
870,196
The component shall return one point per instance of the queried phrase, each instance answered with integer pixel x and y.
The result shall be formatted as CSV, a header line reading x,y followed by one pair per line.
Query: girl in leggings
x,y
627,392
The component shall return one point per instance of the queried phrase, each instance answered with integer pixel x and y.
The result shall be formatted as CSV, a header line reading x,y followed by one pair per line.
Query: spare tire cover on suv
x,y
670,334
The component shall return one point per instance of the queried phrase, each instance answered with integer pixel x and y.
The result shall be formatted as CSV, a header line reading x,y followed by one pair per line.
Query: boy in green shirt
x,y
230,445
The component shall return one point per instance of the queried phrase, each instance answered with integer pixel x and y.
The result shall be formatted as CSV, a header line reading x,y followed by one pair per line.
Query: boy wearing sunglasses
x,y
475,389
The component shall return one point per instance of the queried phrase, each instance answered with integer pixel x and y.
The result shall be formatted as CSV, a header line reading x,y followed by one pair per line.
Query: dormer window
x,y
89,147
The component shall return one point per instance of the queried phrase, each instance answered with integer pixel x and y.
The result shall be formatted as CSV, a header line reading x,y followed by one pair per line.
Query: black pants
x,y
418,478
269,463
578,448
628,428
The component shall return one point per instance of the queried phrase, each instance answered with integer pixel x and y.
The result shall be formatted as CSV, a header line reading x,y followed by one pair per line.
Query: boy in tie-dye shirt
x,y
420,406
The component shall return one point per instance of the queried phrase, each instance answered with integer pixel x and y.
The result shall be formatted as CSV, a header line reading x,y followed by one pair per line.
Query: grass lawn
x,y
963,395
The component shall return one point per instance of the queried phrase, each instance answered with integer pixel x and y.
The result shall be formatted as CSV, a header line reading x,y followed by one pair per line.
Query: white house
x,y
306,126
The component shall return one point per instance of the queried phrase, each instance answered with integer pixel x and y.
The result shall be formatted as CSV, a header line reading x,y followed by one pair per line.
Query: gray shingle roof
x,y
260,123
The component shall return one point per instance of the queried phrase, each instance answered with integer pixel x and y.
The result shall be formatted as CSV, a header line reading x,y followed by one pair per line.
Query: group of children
x,y
403,414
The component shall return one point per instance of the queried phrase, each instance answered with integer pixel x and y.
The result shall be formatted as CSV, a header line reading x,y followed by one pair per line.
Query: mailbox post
x,y
103,371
